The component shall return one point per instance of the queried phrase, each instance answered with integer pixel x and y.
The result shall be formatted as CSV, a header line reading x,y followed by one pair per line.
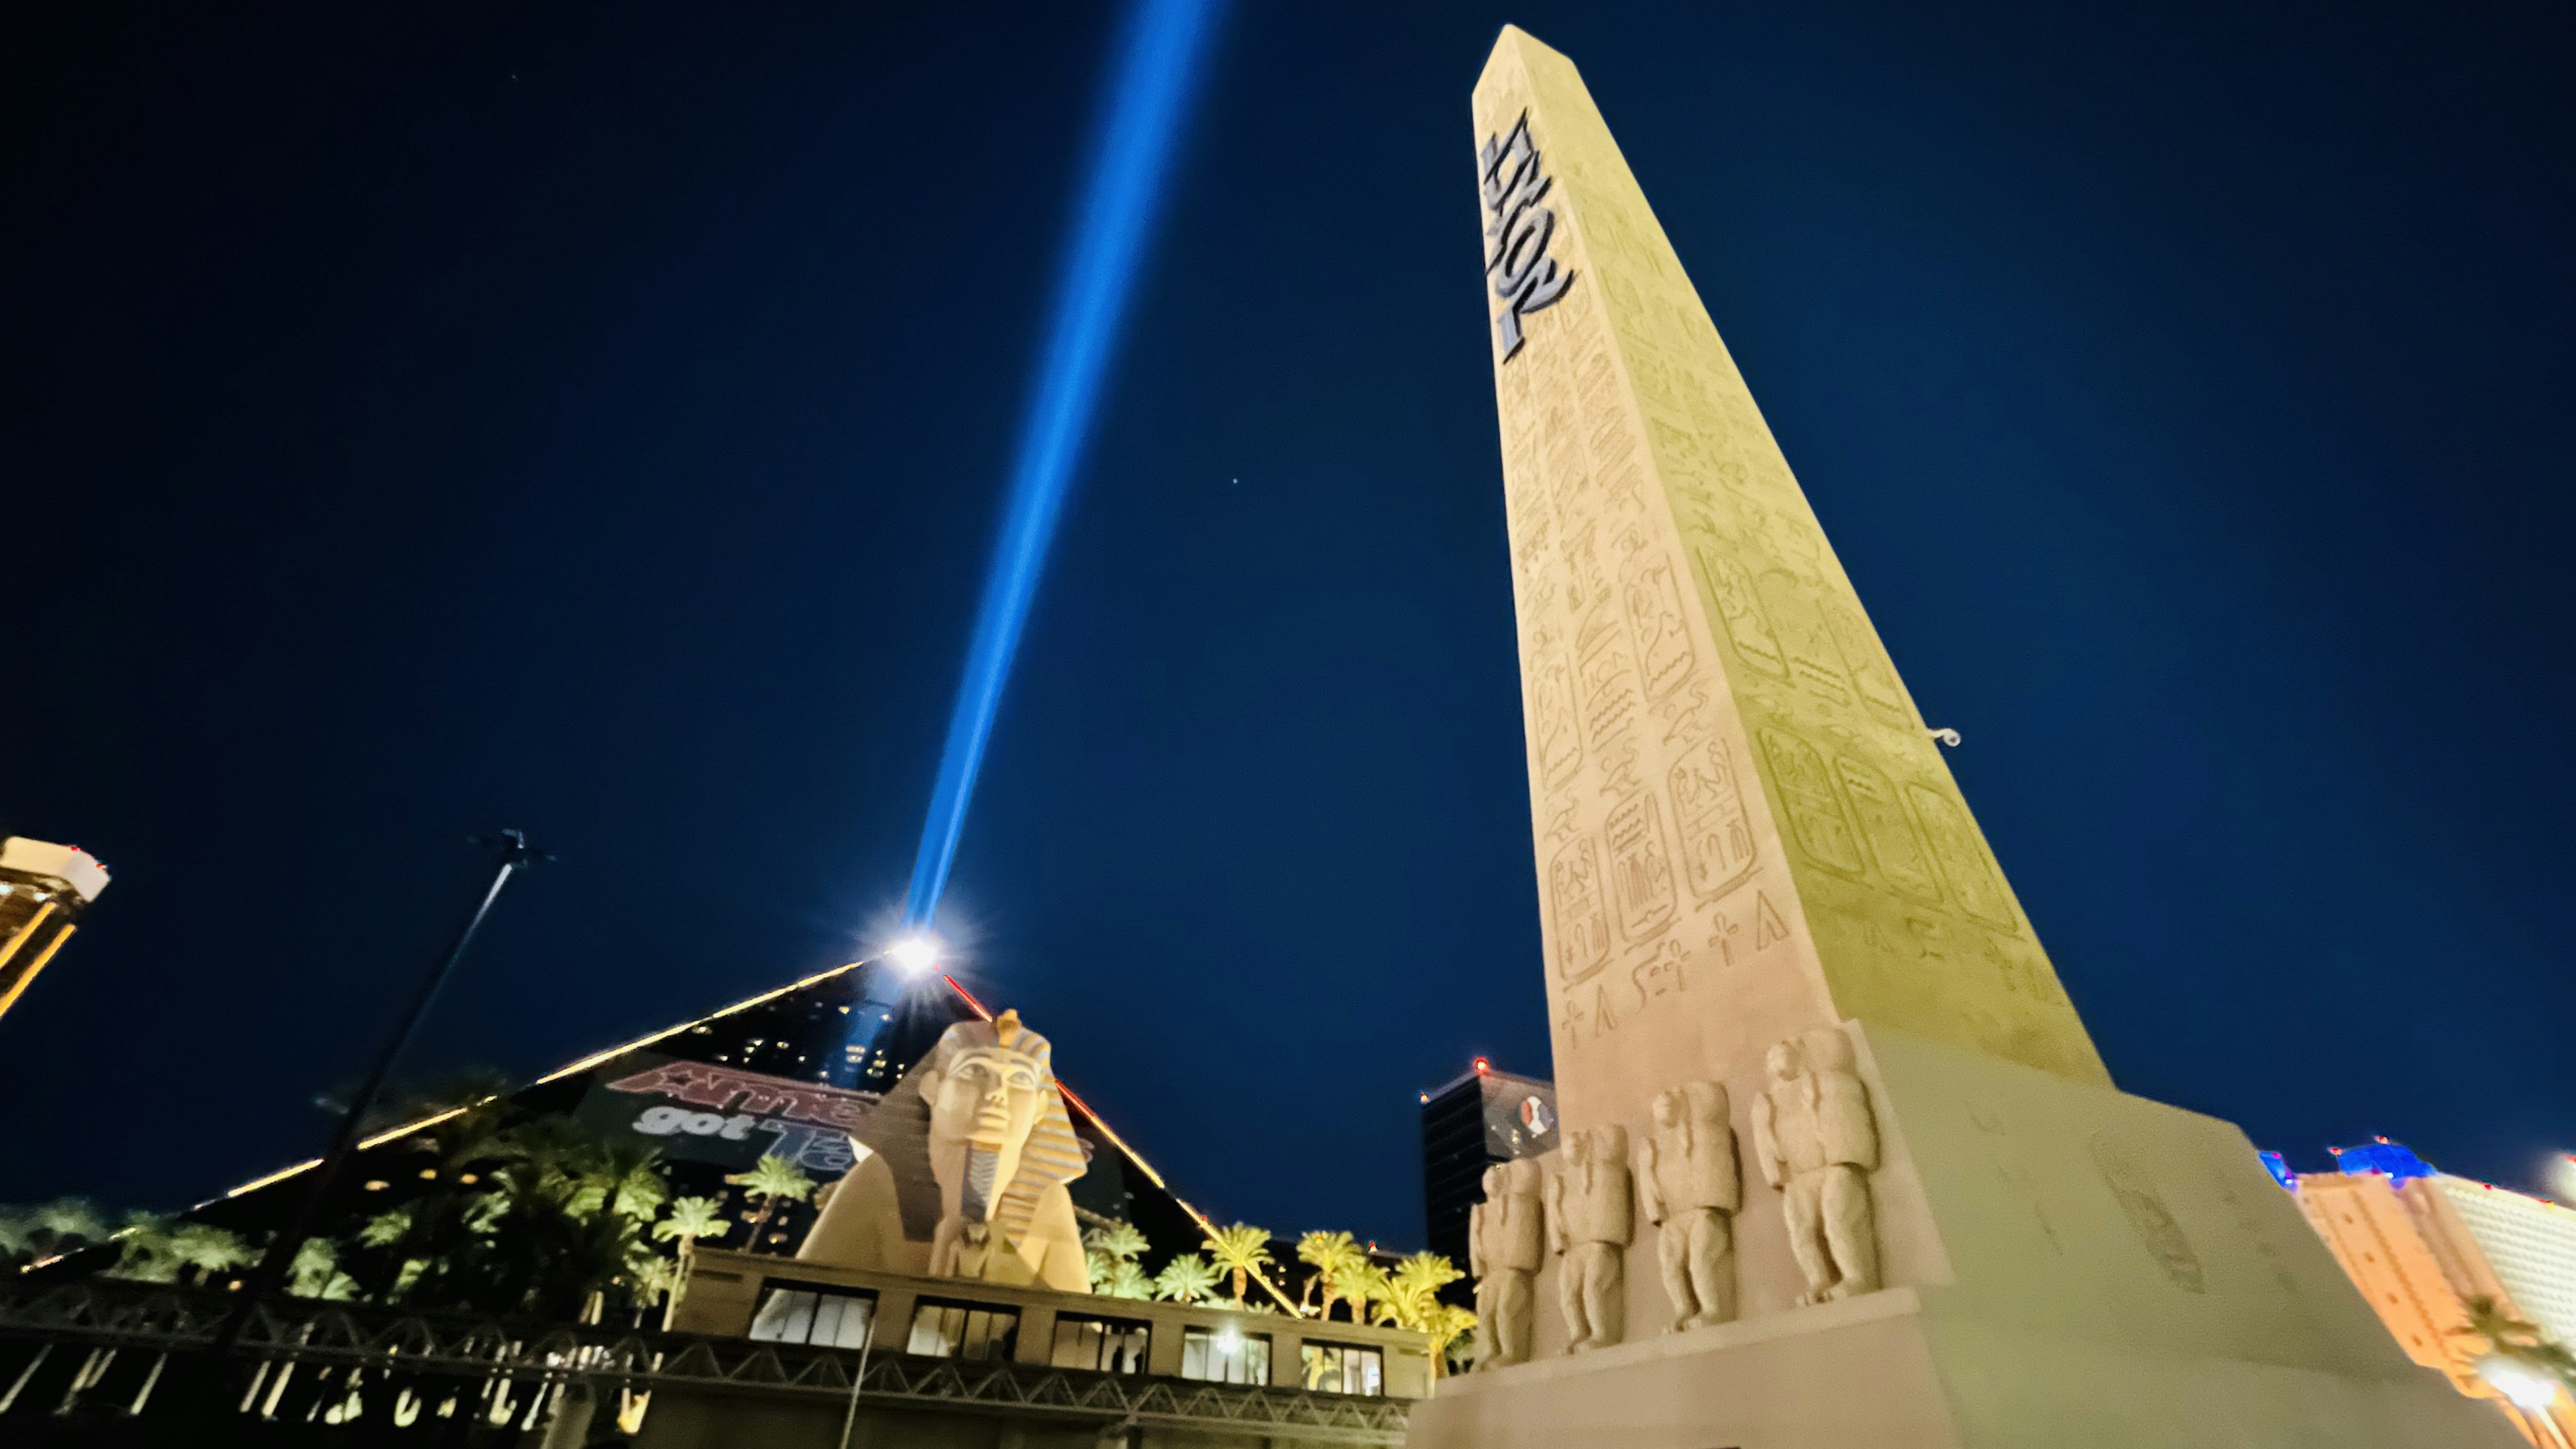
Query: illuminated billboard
x,y
699,1112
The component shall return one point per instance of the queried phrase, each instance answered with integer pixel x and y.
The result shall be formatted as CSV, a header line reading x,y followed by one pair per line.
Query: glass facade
x,y
1224,1356
963,1330
832,1317
1342,1368
1105,1345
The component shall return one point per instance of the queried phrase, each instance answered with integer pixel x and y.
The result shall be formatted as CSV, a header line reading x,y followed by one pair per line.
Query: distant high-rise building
x,y
2420,1243
1468,1125
43,890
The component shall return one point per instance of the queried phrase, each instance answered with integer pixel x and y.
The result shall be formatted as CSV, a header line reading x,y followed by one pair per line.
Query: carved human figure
x,y
999,1151
1506,1236
1591,1215
1688,1183
1818,1143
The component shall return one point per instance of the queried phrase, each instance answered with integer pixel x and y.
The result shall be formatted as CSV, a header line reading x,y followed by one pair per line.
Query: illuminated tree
x,y
1332,1256
772,1180
1124,1280
210,1250
1242,1250
693,1218
1188,1279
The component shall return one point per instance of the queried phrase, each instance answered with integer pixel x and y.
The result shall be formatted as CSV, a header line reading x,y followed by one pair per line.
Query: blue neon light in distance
x,y
1148,91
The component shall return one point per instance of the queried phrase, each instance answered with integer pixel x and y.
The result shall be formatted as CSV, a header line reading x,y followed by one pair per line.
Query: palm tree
x,y
316,1272
2515,1339
1329,1254
1187,1279
1359,1283
1125,1279
1105,1249
1243,1250
210,1250
1119,1242
17,1233
693,1218
1409,1297
145,1249
67,1220
773,1180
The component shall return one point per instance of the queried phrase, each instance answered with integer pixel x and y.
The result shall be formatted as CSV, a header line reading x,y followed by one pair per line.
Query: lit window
x,y
834,1318
377,1185
1341,1368
1105,1345
1224,1356
963,1330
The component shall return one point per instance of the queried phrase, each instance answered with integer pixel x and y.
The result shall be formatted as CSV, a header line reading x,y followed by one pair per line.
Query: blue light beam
x,y
1149,89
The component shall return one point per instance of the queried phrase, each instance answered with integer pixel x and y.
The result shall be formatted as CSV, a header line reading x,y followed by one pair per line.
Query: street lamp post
x,y
516,854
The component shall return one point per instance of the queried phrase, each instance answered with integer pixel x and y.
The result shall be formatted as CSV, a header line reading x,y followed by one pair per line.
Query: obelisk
x,y
1795,1007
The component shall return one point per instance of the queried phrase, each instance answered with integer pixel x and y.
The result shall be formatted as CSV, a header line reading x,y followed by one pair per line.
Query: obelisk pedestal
x,y
1763,894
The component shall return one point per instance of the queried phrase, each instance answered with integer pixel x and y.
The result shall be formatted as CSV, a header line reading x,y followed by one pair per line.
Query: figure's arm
x,y
1476,1241
1766,1142
1556,1235
1650,1188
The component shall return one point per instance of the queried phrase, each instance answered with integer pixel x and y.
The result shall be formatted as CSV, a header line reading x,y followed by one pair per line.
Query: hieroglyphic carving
x,y
1739,610
1885,826
1963,858
1552,716
2145,1209
1871,674
1805,788
1581,916
1652,600
1708,813
1641,871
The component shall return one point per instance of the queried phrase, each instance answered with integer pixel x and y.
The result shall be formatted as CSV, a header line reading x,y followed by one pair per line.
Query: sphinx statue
x,y
1590,1218
1687,1180
961,1172
1505,1238
1818,1144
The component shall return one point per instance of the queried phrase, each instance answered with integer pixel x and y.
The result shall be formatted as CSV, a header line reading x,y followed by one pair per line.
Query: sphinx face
x,y
984,1103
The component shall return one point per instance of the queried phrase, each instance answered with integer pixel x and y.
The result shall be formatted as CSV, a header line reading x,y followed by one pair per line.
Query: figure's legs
x,y
1672,1257
1569,1297
1848,1229
1802,1204
1489,1342
1605,1296
1712,1267
1513,1295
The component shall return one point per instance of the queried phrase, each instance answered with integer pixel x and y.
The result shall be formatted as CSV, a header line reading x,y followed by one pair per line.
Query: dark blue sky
x,y
593,418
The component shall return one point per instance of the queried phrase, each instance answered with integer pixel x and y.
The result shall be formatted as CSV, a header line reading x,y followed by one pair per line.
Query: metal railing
x,y
386,1341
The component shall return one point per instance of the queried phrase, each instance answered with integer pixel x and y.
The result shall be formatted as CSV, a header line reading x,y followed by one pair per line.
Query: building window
x,y
963,1330
1105,1345
1225,1356
801,1313
1341,1368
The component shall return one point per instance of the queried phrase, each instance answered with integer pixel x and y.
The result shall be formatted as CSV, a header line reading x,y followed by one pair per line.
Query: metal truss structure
x,y
98,1316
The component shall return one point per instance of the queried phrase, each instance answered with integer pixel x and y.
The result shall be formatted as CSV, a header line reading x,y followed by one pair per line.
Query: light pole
x,y
516,854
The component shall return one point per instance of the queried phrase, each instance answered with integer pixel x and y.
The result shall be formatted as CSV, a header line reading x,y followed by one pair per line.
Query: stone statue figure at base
x,y
1590,1218
1688,1183
1506,1236
1818,1143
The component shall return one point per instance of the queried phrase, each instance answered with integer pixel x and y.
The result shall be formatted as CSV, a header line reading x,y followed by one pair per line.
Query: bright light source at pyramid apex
x,y
913,955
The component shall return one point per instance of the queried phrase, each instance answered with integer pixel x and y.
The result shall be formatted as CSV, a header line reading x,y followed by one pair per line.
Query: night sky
x,y
593,418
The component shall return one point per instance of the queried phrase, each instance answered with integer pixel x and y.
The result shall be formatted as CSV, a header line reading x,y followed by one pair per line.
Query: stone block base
x,y
1920,1368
